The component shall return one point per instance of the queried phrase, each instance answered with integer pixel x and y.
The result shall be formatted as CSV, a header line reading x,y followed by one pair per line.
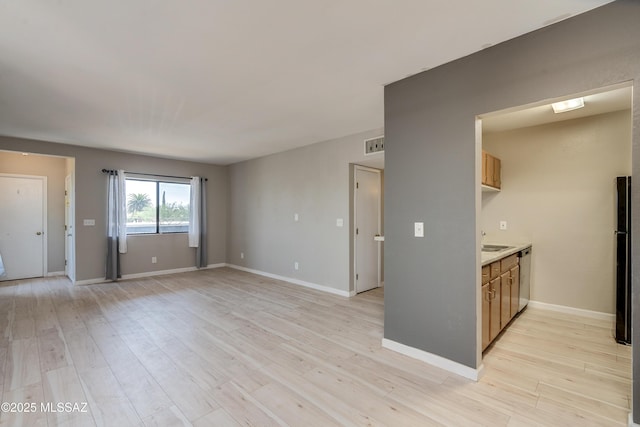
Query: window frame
x,y
157,181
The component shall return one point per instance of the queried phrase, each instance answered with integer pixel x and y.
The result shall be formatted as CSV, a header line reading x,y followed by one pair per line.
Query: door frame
x,y
70,218
45,231
357,168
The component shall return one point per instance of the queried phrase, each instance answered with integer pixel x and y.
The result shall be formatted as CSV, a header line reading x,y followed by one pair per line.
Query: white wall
x,y
559,192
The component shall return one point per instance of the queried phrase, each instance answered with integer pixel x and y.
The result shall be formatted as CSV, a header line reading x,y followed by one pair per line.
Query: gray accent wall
x,y
172,251
312,181
432,168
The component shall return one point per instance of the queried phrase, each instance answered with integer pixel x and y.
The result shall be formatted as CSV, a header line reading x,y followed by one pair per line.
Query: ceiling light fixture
x,y
568,105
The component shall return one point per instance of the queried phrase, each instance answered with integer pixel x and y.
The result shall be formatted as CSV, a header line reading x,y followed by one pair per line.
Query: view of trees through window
x,y
157,207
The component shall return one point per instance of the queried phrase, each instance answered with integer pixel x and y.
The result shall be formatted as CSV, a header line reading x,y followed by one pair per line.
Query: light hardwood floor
x,y
223,347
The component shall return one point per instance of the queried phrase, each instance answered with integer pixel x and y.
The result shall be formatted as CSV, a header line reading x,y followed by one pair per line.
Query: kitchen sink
x,y
494,248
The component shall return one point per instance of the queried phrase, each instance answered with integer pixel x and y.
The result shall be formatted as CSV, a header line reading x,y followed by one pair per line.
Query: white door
x,y
69,228
22,226
367,227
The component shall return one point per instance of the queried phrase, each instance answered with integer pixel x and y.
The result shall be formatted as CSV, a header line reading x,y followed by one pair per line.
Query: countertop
x,y
514,247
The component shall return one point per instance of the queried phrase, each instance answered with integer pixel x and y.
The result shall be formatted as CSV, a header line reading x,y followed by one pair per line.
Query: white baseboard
x,y
433,359
55,273
90,281
294,281
158,273
149,274
172,271
571,310
212,266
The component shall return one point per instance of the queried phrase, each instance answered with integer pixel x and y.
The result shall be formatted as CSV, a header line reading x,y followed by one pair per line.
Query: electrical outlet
x,y
241,255
154,260
503,225
295,265
339,222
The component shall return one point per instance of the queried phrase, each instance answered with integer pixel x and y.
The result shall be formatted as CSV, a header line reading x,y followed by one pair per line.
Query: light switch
x,y
503,225
89,222
295,217
418,229
339,222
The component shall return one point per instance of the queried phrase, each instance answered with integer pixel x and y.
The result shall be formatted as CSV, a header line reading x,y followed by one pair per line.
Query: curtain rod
x,y
154,174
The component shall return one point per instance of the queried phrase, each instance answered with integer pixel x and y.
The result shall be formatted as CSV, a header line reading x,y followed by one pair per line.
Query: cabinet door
x,y
505,299
494,315
486,315
490,171
484,167
494,270
486,274
515,289
497,166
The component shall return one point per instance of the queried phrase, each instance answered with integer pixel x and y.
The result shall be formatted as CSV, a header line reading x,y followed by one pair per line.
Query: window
x,y
157,206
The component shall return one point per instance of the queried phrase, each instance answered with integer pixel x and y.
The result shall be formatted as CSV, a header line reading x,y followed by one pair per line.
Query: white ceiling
x,y
221,81
605,100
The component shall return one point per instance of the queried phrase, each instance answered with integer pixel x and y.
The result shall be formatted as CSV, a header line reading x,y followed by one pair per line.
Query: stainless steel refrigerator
x,y
623,260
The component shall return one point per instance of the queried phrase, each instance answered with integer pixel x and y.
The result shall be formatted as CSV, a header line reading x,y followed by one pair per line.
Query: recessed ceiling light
x,y
568,105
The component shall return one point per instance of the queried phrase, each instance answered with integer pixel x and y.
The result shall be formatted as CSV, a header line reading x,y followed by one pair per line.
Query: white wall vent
x,y
374,145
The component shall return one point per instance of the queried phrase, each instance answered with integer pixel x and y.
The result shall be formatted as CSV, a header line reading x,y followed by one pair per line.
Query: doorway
x,y
23,223
558,192
367,214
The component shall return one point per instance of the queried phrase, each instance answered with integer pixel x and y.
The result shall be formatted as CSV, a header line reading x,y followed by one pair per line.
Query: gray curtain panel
x,y
2,272
113,254
201,250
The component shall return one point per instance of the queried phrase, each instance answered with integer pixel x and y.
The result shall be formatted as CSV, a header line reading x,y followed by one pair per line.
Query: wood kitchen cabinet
x,y
484,167
486,306
490,303
500,296
491,170
494,316
514,274
505,298
486,315
497,172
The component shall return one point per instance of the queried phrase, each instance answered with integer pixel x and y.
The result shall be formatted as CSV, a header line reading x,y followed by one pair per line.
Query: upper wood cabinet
x,y
491,170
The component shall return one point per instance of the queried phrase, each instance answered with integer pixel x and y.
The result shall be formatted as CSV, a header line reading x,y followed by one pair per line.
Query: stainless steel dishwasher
x,y
525,277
